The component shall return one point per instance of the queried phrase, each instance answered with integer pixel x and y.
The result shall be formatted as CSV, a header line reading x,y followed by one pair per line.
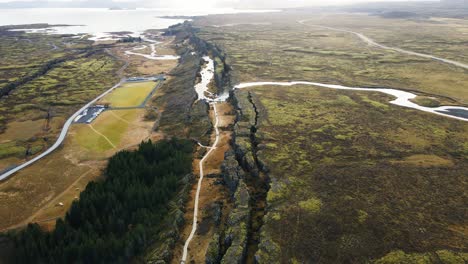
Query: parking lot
x,y
89,114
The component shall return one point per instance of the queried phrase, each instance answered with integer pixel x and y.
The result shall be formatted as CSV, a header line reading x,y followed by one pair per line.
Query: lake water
x,y
96,21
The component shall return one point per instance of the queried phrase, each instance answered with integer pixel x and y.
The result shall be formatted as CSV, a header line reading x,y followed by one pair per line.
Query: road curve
x,y
61,137
403,98
375,44
195,208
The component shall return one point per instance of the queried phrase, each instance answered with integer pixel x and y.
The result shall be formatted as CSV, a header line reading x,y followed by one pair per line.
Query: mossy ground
x,y
353,180
442,37
286,50
33,194
33,114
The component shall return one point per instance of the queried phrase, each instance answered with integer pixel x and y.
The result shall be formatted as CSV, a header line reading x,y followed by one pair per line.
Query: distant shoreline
x,y
34,26
179,17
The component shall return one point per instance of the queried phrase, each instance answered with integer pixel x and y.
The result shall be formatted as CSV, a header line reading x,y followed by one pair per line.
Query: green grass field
x,y
110,124
129,94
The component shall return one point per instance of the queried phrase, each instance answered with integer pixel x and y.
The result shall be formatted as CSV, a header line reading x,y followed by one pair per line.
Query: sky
x,y
225,3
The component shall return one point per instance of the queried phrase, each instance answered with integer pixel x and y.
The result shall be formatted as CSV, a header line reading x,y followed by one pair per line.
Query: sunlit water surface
x,y
99,21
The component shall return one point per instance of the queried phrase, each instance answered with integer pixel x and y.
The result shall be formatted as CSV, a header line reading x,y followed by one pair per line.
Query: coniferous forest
x,y
115,219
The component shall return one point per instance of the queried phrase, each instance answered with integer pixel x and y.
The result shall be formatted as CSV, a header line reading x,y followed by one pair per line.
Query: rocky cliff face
x,y
238,222
161,250
222,69
237,238
245,178
232,172
184,116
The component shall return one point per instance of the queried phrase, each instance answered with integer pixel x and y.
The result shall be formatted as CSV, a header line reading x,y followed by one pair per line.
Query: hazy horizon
x,y
186,4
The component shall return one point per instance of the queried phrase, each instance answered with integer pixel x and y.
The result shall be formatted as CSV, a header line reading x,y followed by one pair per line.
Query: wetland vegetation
x,y
352,179
264,52
303,174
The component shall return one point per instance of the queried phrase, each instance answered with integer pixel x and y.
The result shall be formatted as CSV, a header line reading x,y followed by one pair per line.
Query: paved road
x,y
67,124
54,47
373,43
65,128
70,121
61,137
403,98
200,180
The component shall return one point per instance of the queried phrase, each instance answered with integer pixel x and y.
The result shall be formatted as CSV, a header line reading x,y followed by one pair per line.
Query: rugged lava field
x,y
352,178
274,174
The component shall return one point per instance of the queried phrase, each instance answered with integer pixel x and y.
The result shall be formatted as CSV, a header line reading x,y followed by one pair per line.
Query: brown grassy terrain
x,y
352,178
36,193
444,37
260,52
57,207
212,191
34,187
142,66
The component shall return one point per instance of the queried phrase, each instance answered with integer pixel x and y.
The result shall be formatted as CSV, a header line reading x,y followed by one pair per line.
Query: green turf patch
x,y
129,94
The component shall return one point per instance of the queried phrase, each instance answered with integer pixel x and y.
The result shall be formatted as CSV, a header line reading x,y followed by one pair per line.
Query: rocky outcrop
x,y
222,75
243,173
213,252
247,147
231,171
162,249
268,251
238,223
244,133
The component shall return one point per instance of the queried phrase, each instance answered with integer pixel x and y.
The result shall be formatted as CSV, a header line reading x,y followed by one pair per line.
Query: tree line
x,y
130,39
114,220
